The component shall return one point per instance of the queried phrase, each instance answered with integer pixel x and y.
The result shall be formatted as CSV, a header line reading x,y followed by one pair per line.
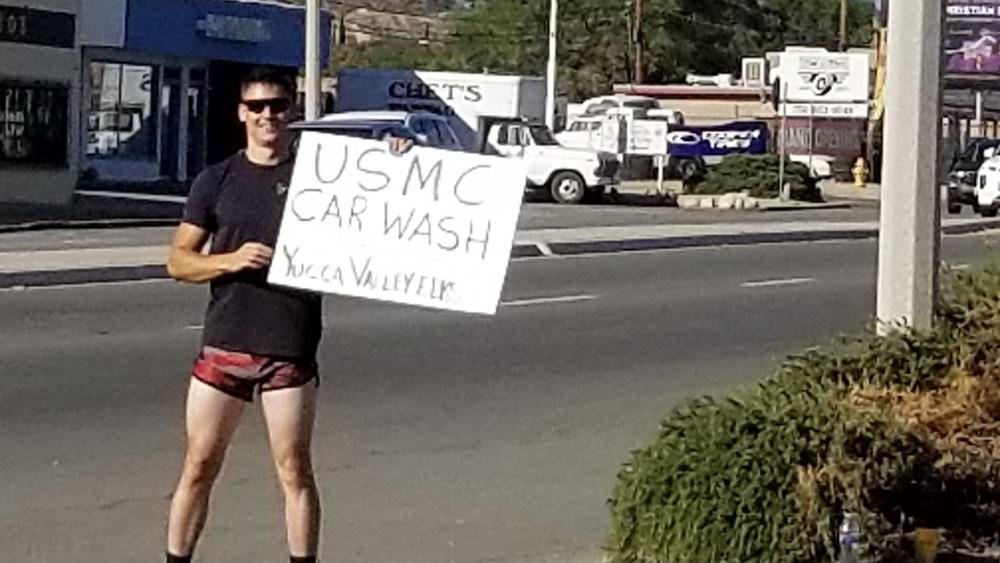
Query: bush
x,y
903,429
758,175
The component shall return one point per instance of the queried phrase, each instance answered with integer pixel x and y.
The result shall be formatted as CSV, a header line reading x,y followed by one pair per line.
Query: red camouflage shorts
x,y
238,374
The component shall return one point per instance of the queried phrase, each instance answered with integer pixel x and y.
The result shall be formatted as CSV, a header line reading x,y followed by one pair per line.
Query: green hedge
x,y
903,429
758,175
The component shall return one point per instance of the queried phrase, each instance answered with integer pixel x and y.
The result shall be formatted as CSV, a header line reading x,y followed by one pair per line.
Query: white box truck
x,y
464,98
493,114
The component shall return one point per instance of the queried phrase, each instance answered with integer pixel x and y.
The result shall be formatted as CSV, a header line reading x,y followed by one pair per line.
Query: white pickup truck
x,y
493,114
567,174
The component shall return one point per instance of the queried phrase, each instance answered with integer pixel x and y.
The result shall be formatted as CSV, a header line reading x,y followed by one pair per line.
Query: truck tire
x,y
567,187
988,211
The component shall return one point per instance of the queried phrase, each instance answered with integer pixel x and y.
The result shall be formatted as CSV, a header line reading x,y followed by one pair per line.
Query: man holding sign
x,y
258,337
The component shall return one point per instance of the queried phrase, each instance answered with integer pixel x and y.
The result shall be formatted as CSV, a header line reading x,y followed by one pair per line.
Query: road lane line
x,y
777,283
548,300
84,285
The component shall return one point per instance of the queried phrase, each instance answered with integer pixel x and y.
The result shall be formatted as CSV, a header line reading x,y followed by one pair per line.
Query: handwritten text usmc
x,y
430,201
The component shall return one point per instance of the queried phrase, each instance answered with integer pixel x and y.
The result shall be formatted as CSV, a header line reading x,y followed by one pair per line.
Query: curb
x,y
79,276
87,224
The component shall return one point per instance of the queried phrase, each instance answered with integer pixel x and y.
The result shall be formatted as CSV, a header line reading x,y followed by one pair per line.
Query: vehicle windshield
x,y
543,136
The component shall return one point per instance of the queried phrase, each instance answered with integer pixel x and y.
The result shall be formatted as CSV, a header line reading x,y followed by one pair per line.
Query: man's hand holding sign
x,y
427,227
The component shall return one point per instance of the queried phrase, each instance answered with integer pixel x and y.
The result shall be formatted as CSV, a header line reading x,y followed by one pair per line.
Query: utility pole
x,y
639,73
909,226
312,82
551,75
843,25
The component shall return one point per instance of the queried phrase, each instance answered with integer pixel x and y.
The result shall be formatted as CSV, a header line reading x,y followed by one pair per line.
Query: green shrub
x,y
758,175
903,429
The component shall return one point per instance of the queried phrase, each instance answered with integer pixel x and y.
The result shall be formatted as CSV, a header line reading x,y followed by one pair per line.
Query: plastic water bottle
x,y
849,536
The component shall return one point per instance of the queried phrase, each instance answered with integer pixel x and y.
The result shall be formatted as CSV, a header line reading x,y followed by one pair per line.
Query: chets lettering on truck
x,y
445,92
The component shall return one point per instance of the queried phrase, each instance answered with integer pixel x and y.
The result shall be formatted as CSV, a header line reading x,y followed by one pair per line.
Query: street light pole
x,y
551,75
909,227
312,54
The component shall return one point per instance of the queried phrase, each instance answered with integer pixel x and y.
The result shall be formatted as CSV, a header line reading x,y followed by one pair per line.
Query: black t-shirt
x,y
238,201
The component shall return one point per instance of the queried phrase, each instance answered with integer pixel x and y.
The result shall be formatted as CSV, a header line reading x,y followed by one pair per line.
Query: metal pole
x,y
783,194
812,137
843,25
979,114
312,82
550,95
639,73
910,211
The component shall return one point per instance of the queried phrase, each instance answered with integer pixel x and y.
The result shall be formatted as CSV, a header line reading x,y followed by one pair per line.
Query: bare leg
x,y
289,414
212,417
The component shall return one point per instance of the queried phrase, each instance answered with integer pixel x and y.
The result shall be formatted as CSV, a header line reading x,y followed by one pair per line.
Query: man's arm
x,y
187,263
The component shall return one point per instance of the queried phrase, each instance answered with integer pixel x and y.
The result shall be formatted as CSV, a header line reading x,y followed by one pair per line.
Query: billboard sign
x,y
972,38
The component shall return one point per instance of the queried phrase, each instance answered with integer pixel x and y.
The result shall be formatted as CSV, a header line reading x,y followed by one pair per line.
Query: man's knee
x,y
295,470
201,468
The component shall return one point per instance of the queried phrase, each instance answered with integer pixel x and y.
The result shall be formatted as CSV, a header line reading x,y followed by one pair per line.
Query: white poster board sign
x,y
648,137
431,228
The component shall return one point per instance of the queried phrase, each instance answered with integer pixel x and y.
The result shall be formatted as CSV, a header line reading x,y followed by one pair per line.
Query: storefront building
x,y
161,80
39,85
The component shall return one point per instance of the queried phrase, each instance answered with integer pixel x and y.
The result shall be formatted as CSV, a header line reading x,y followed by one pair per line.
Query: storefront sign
x,y
823,77
34,127
234,28
432,228
842,111
37,27
972,37
841,138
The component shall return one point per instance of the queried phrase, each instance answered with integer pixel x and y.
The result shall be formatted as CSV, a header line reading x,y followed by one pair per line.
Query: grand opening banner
x,y
972,38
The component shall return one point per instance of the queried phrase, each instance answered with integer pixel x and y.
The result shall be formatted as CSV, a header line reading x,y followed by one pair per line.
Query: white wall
x,y
40,63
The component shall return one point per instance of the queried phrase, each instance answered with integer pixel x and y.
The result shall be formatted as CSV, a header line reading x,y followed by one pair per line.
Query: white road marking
x,y
777,283
544,249
85,285
548,300
194,327
134,196
959,267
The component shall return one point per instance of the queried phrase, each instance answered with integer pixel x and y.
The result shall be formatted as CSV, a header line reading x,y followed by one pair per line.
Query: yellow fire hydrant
x,y
860,171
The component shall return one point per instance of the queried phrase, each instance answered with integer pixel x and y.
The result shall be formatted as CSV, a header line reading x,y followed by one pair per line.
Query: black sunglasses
x,y
277,105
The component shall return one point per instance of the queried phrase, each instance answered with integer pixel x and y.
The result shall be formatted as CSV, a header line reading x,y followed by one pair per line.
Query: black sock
x,y
171,558
307,559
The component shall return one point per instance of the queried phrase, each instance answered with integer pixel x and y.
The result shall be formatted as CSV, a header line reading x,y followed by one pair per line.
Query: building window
x,y
121,121
34,125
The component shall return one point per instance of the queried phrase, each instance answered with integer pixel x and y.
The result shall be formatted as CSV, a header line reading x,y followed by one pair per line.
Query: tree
x,y
595,38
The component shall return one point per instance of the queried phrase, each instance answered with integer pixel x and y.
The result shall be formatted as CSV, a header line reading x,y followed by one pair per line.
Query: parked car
x,y
987,188
963,173
424,128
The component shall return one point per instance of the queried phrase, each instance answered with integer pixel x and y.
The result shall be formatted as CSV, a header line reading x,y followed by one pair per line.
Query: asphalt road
x,y
441,438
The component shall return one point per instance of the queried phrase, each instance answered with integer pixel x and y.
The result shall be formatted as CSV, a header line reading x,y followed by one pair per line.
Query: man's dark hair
x,y
271,77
